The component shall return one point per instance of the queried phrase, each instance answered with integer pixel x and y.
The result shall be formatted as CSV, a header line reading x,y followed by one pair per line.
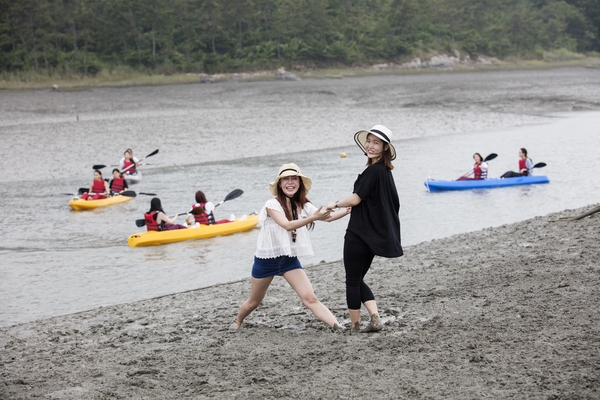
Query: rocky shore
x,y
508,312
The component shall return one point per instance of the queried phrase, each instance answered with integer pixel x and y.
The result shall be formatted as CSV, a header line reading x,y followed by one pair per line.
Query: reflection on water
x,y
56,261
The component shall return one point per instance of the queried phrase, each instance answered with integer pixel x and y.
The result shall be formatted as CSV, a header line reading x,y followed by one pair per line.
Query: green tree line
x,y
87,36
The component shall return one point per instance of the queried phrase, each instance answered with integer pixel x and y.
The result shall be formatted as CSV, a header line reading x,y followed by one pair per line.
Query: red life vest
x,y
98,187
127,170
202,218
478,172
117,184
523,166
151,224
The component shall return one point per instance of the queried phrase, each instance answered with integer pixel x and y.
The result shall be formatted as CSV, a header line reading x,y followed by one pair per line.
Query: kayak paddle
x,y
490,157
539,165
127,193
100,166
234,194
80,191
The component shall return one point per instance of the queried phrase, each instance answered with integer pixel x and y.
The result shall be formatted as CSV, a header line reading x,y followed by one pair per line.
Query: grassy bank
x,y
126,77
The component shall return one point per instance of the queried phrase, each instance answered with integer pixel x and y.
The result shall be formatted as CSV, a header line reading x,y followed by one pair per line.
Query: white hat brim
x,y
360,138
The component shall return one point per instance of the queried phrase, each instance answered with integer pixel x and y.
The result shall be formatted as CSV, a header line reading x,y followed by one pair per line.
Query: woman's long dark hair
x,y
156,206
524,151
299,198
200,197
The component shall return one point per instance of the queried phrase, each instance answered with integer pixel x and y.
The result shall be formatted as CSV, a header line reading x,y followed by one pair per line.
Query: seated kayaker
x,y
203,212
525,166
157,220
117,184
479,170
129,163
98,188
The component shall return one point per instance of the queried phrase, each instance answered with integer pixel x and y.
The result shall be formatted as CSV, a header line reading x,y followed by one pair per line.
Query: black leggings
x,y
511,174
357,261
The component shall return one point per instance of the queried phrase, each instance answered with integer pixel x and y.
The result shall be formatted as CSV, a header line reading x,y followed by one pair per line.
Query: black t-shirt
x,y
375,221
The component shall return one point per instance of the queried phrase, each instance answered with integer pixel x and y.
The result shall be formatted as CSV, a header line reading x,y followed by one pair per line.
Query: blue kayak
x,y
434,185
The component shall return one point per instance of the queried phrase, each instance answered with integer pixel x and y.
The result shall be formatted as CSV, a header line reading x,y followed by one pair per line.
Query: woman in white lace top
x,y
284,237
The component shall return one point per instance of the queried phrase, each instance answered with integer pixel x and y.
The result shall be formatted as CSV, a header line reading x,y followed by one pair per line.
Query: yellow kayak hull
x,y
79,205
154,238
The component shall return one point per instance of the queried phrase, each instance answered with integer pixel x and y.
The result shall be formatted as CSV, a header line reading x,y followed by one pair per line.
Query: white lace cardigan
x,y
274,241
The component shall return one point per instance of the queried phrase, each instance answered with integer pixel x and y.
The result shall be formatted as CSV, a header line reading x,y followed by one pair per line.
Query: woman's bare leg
x,y
371,306
258,290
354,319
301,284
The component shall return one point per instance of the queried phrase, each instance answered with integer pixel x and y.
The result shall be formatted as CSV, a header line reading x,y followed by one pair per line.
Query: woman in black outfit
x,y
374,226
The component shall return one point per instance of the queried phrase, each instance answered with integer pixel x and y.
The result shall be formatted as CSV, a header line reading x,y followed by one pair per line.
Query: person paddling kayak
x,y
203,212
157,220
98,188
479,170
117,184
525,166
129,163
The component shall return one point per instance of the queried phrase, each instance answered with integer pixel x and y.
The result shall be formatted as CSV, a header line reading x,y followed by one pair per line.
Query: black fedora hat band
x,y
290,169
383,135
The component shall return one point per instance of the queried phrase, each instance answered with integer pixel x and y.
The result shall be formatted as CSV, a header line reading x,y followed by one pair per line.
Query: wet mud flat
x,y
505,312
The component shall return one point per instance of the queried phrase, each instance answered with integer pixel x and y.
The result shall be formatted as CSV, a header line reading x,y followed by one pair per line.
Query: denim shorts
x,y
265,267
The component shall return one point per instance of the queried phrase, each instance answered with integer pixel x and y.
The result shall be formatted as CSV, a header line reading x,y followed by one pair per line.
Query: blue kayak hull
x,y
434,185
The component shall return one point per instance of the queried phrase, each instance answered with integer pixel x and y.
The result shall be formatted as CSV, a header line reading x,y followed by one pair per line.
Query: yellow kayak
x,y
79,205
153,238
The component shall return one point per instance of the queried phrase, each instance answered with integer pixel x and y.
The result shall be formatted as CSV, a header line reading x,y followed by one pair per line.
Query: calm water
x,y
236,135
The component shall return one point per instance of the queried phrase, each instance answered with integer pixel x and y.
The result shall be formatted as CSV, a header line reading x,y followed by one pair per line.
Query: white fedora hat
x,y
381,132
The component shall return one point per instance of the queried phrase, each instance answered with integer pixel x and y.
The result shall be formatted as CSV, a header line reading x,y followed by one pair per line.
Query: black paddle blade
x,y
540,165
151,154
98,166
128,193
490,157
147,194
82,190
140,222
234,194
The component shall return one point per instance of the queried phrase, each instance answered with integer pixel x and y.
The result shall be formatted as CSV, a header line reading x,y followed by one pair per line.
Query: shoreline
x,y
445,65
505,312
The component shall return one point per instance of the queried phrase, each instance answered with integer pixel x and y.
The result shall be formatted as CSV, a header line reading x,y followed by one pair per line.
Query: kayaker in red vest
x,y
98,188
157,220
203,212
117,184
129,163
525,166
479,170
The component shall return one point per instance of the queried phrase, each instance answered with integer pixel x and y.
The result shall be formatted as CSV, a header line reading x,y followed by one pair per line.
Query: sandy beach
x,y
506,312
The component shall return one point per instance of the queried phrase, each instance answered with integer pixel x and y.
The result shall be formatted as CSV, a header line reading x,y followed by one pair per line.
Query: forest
x,y
70,37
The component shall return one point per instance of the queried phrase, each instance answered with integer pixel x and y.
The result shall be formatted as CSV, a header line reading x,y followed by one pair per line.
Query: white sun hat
x,y
287,170
381,132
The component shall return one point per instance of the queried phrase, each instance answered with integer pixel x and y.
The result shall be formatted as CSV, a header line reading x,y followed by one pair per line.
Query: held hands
x,y
339,214
322,215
